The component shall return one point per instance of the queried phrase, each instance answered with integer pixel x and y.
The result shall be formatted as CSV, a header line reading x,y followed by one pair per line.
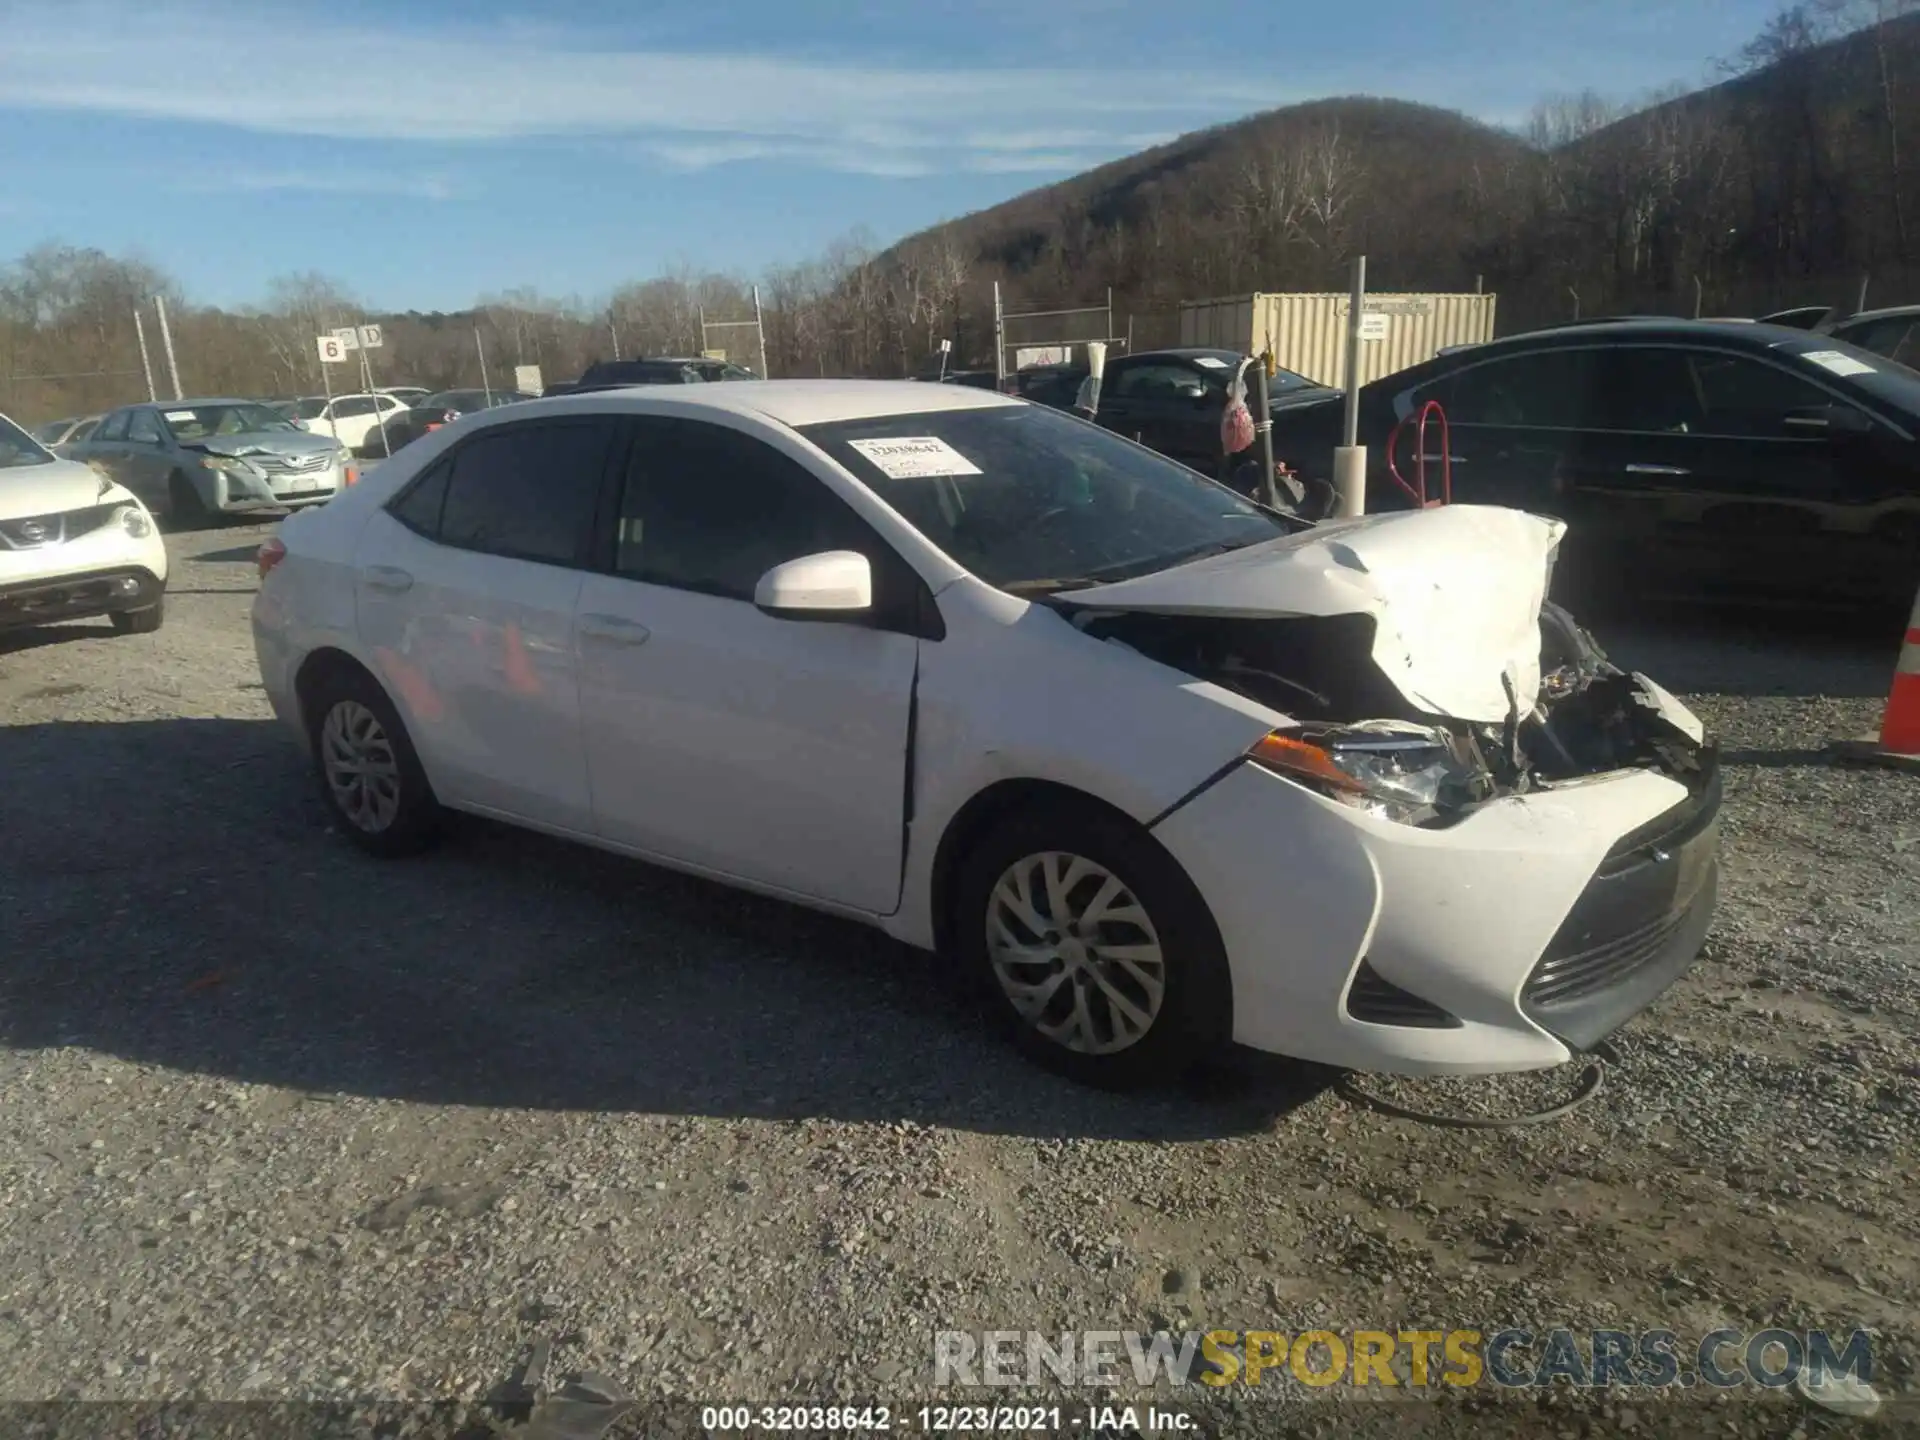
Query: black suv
x,y
1688,456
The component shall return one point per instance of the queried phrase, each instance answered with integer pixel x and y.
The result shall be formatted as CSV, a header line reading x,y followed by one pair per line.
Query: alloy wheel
x,y
363,773
1075,952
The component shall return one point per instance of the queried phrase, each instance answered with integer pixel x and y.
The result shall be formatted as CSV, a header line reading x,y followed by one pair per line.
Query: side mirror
x,y
832,585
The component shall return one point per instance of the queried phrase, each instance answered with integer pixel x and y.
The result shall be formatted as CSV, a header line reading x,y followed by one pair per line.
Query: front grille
x,y
1374,998
33,532
39,532
289,464
1560,978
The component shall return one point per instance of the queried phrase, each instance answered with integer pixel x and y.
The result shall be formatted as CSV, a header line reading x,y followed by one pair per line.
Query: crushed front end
x,y
1504,893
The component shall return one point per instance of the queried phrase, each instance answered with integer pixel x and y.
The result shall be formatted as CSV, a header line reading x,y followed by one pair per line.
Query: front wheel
x,y
1096,949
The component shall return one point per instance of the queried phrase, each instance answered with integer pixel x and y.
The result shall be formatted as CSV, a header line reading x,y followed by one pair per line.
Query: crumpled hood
x,y
48,489
1455,594
267,442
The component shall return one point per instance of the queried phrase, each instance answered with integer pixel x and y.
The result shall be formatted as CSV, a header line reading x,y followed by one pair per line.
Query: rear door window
x,y
528,491
143,428
1544,390
114,427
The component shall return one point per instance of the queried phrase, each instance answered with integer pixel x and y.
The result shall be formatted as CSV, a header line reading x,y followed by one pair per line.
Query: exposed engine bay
x,y
1590,717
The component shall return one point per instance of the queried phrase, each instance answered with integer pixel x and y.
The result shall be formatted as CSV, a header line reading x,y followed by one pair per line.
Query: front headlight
x,y
232,464
1398,771
135,521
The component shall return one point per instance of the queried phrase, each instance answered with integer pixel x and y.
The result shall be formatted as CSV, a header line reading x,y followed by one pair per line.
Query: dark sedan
x,y
1710,457
433,412
1173,400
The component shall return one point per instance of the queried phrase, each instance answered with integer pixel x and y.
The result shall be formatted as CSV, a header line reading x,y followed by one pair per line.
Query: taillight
x,y
435,424
271,554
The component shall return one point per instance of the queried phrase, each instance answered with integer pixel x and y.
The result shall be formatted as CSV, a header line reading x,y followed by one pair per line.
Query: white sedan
x,y
74,544
1165,770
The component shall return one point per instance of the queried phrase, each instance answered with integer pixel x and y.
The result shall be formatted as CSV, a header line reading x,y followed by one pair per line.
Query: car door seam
x,y
1197,791
907,786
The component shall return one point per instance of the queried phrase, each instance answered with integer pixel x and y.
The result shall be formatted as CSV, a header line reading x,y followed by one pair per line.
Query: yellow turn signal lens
x,y
1289,754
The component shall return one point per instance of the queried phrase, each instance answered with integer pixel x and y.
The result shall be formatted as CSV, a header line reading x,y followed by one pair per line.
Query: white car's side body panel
x,y
478,652
1015,692
763,749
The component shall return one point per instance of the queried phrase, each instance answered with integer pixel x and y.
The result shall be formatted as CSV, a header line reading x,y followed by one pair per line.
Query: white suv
x,y
73,543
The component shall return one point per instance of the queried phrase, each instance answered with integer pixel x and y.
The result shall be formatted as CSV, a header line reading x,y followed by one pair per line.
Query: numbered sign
x,y
348,336
332,352
370,337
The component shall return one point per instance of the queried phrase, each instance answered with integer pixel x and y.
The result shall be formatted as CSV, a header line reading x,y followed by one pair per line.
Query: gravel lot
x,y
280,1121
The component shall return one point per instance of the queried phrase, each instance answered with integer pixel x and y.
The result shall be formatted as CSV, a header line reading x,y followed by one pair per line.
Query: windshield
x,y
18,449
201,422
308,409
1880,379
1031,499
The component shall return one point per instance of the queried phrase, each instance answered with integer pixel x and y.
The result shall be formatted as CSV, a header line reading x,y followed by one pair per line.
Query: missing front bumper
x,y
1636,928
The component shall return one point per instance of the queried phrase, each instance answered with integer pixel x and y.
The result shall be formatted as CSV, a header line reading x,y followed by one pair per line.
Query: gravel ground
x,y
281,1122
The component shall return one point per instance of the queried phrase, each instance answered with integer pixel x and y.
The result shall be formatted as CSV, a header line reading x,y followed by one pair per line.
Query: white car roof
x,y
790,402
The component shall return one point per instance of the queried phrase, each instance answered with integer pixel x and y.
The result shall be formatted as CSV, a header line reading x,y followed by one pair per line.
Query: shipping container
x,y
1308,333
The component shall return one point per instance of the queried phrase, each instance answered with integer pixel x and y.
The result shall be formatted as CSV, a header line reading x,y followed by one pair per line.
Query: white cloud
x,y
277,71
373,182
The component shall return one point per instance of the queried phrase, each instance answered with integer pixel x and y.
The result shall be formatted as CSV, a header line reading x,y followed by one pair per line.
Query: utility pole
x,y
760,329
146,362
999,341
1350,460
166,343
480,345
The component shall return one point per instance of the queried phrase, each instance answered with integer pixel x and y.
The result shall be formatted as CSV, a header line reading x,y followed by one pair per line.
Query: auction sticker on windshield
x,y
1838,363
177,417
915,457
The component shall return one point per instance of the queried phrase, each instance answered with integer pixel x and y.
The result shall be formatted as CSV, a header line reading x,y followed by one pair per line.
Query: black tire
x,y
140,622
416,817
185,509
1195,1010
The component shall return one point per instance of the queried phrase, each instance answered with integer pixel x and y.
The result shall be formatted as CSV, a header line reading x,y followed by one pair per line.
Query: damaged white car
x,y
73,544
1164,769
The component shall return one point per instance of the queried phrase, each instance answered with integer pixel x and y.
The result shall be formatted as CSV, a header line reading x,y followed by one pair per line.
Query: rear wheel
x,y
140,622
1097,951
185,508
369,772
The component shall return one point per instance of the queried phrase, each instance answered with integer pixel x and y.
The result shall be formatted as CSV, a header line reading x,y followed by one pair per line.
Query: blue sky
x,y
425,152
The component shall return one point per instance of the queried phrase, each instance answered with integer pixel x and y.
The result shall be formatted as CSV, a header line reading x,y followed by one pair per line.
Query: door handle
x,y
386,577
1444,459
614,630
1658,470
